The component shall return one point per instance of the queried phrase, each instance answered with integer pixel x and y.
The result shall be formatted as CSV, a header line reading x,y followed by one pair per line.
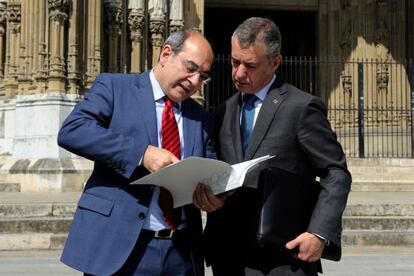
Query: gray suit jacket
x,y
293,126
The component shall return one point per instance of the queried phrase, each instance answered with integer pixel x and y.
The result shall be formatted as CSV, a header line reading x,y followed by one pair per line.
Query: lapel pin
x,y
275,101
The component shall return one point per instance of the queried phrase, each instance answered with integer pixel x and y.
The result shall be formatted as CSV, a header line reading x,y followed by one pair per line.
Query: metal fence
x,y
370,102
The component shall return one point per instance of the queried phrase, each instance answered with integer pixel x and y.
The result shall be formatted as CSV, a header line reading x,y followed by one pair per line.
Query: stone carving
x,y
58,15
136,24
3,17
13,16
382,77
58,4
113,18
346,80
176,15
157,9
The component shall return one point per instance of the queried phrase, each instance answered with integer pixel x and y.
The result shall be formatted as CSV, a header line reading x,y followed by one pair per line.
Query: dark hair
x,y
256,30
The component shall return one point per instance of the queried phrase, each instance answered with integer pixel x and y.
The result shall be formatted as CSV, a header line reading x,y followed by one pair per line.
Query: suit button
x,y
141,216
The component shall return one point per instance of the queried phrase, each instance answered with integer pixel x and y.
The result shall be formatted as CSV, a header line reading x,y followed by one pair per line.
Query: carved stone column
x,y
113,24
176,15
157,10
58,15
136,21
93,44
3,13
12,53
381,38
41,72
73,50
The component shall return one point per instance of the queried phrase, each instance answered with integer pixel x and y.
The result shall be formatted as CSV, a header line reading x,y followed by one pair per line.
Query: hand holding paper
x,y
181,178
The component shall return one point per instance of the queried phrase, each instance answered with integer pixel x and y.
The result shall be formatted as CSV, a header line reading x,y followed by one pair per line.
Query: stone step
x,y
379,209
9,187
382,186
35,225
21,210
378,238
383,177
32,241
378,223
380,162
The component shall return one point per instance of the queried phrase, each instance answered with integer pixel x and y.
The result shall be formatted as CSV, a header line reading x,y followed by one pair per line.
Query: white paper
x,y
181,178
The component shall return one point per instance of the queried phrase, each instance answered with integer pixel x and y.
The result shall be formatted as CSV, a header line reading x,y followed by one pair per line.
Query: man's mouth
x,y
185,88
239,83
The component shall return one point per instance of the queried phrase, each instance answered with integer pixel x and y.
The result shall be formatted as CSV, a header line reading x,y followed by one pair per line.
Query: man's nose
x,y
195,78
240,71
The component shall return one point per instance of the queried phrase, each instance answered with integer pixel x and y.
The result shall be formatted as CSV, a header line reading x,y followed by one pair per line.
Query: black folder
x,y
286,203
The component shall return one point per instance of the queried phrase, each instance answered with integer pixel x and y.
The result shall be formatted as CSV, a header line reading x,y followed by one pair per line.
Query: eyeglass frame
x,y
192,69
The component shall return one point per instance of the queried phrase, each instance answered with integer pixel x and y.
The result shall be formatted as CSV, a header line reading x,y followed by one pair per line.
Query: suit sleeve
x,y
327,160
86,131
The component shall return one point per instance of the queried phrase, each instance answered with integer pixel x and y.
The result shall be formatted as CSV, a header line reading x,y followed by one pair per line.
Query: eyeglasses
x,y
192,69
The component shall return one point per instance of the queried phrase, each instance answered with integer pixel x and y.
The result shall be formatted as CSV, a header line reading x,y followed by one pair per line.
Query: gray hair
x,y
176,40
257,30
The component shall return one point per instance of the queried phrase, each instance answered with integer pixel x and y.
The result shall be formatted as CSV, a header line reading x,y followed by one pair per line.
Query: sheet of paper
x,y
181,178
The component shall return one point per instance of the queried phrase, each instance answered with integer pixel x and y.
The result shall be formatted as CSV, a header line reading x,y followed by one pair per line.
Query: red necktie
x,y
170,141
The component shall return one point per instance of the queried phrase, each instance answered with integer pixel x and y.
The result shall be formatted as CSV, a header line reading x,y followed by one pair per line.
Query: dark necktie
x,y
170,141
247,119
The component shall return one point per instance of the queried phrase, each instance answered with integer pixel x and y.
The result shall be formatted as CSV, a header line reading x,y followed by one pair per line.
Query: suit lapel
x,y
189,127
146,106
233,107
270,105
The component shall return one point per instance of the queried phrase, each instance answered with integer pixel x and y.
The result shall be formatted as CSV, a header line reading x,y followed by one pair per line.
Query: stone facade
x,y
51,51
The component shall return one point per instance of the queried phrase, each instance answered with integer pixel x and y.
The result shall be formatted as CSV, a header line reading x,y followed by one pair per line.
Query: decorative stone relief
x,y
346,80
157,10
113,18
3,21
176,15
3,17
58,15
136,22
14,17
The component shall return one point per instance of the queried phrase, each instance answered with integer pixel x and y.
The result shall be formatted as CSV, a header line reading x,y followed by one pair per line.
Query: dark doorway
x,y
298,28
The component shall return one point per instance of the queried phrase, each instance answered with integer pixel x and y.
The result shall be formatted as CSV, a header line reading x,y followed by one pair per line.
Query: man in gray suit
x,y
293,126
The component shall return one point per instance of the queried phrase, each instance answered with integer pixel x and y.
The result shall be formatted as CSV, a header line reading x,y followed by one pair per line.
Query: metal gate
x,y
370,102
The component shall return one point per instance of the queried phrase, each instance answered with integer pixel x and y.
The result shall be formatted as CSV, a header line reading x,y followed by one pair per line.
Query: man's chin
x,y
242,88
181,94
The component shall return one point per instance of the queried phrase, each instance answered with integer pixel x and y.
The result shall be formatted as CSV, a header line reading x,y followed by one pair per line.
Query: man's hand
x,y
157,158
206,200
310,247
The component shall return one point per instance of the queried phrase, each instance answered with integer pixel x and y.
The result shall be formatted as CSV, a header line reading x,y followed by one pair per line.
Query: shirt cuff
x,y
322,238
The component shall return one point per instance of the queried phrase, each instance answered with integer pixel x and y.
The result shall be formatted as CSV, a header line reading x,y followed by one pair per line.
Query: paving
x,y
356,261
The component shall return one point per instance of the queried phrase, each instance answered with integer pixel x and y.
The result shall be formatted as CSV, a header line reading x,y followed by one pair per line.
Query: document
x,y
181,178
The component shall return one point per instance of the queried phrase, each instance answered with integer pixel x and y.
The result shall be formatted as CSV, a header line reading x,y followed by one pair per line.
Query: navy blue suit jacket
x,y
113,126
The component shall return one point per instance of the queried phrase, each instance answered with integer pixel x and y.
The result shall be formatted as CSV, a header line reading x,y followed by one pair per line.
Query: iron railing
x,y
370,102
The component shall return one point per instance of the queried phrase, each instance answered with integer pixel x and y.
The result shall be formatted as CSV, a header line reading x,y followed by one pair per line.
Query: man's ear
x,y
165,55
276,62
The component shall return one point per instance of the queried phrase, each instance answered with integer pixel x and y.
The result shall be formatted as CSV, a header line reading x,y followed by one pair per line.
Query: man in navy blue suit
x,y
120,228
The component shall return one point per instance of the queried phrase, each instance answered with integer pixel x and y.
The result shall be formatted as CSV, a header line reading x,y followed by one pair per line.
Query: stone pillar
x,y
194,19
57,74
3,13
157,10
12,53
94,43
194,14
136,22
74,49
176,15
41,57
113,22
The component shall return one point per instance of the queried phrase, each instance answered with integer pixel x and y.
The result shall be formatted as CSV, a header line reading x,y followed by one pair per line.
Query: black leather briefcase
x,y
286,203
